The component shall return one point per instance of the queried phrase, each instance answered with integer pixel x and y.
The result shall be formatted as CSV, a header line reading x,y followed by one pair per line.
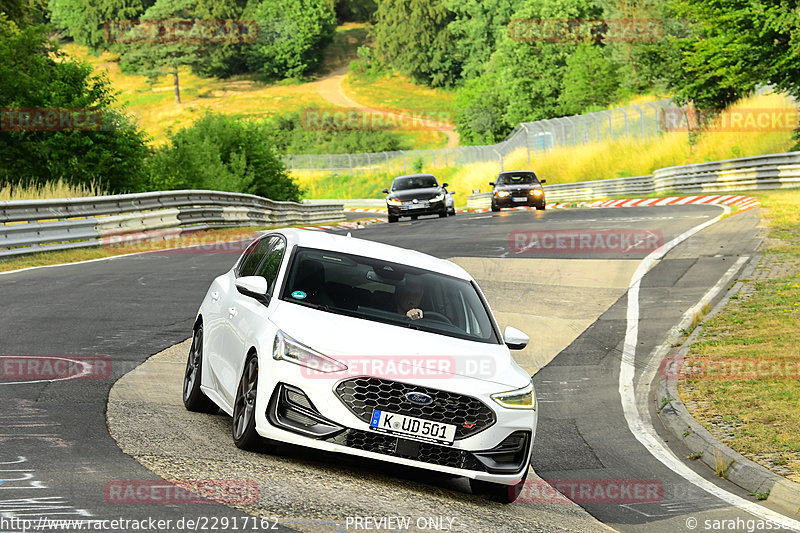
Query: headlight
x,y
393,201
502,194
536,192
438,198
524,398
286,348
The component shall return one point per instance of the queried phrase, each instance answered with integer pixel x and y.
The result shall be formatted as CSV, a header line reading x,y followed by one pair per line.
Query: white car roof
x,y
353,245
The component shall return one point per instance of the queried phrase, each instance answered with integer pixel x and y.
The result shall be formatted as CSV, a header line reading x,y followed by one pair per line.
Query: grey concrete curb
x,y
741,471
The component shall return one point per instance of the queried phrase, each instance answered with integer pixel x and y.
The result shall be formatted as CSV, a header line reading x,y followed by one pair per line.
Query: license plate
x,y
409,426
520,199
416,206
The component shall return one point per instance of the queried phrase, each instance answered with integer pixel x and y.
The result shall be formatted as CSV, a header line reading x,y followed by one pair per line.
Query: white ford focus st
x,y
351,346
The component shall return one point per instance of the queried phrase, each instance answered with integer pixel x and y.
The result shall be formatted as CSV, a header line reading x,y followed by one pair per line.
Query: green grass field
x,y
750,365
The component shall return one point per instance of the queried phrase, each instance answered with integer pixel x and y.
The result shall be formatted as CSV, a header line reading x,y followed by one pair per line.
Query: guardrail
x,y
772,171
28,226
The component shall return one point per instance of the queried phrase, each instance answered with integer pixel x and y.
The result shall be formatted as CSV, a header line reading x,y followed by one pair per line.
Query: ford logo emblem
x,y
419,398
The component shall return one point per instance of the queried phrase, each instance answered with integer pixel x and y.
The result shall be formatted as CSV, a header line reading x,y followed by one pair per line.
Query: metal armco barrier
x,y
28,226
773,171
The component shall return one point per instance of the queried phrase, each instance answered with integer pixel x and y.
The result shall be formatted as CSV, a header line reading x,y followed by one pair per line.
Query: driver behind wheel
x,y
408,297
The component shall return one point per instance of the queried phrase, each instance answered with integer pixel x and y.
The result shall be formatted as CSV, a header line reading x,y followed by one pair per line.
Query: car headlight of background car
x,y
524,398
286,348
393,201
502,194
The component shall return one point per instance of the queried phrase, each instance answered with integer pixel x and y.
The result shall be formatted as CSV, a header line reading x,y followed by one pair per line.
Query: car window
x,y
524,178
380,291
272,262
251,261
416,182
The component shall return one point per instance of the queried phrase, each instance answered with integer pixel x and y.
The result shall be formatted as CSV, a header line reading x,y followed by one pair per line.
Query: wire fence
x,y
529,138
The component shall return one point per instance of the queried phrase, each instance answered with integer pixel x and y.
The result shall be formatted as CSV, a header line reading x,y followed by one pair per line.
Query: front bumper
x,y
499,452
426,208
516,201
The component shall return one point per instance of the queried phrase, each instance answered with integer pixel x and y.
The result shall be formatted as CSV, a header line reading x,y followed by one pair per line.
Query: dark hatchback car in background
x,y
517,187
418,194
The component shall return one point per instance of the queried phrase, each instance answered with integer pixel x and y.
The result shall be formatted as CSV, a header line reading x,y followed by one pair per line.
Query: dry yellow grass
x,y
47,191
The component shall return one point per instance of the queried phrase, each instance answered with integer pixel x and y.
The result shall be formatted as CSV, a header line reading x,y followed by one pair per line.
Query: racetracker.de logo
x,y
180,31
180,492
743,120
402,367
591,491
733,369
54,367
551,30
337,119
50,119
172,241
601,241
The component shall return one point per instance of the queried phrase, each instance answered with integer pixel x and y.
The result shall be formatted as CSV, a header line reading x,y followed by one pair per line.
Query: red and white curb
x,y
741,202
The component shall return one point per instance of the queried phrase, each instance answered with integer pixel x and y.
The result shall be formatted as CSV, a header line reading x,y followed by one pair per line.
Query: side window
x,y
250,262
272,263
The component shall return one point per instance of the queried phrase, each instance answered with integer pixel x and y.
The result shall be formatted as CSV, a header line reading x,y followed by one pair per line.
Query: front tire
x,y
195,399
495,208
244,407
497,492
393,218
542,207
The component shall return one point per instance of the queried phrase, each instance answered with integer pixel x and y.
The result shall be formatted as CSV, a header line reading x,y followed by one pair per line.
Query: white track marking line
x,y
639,426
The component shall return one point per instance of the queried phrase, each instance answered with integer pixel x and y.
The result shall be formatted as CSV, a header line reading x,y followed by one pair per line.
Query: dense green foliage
x,y
223,153
35,75
292,134
412,36
292,35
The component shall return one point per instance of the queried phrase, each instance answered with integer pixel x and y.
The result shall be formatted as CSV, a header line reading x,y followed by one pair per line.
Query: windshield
x,y
522,178
414,182
371,289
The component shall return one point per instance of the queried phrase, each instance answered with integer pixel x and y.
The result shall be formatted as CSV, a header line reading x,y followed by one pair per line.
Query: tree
x,y
35,74
591,81
476,28
292,36
412,37
155,57
527,73
84,20
223,153
737,45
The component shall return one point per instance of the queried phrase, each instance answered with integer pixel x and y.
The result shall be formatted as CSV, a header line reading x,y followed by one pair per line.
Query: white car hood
x,y
365,344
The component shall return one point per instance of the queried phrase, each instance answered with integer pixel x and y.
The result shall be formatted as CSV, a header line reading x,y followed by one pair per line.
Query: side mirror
x,y
491,184
542,181
445,184
452,193
254,287
385,191
515,339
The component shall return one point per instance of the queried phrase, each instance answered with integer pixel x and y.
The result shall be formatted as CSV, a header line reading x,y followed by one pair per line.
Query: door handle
x,y
215,296
232,312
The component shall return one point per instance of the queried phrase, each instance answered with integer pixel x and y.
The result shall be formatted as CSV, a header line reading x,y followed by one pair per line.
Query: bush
x,y
223,153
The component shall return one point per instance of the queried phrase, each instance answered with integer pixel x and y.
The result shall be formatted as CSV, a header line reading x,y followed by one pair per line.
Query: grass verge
x,y
743,373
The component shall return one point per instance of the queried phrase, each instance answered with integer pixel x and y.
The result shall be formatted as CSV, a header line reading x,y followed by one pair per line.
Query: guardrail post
x,y
350,164
610,124
627,131
527,142
501,159
369,162
641,117
655,115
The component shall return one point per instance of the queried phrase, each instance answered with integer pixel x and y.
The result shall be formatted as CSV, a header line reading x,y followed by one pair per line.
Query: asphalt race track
x,y
58,460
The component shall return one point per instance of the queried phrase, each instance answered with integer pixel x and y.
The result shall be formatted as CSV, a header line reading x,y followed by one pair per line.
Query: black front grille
x,y
372,441
363,395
